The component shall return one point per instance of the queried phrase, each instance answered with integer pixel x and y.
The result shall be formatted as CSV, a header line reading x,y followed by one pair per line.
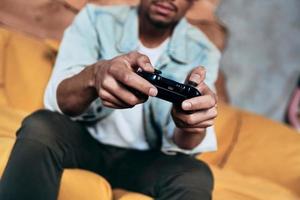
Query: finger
x,y
122,93
180,124
111,105
199,103
196,118
134,81
194,131
196,76
108,97
144,62
137,60
202,125
204,89
205,124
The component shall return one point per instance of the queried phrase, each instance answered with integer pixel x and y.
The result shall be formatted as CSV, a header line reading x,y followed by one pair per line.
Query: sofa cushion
x,y
235,186
6,144
27,67
79,184
4,38
10,121
120,194
227,130
267,149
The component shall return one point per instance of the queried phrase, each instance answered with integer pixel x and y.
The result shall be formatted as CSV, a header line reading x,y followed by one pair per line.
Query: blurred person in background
x,y
293,114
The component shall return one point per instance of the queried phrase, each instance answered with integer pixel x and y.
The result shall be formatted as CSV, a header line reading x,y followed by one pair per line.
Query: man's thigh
x,y
69,140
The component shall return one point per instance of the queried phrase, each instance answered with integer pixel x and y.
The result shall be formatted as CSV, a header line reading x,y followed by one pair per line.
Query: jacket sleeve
x,y
210,60
79,48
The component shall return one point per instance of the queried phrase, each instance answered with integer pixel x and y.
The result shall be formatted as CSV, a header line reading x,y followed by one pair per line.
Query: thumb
x,y
196,76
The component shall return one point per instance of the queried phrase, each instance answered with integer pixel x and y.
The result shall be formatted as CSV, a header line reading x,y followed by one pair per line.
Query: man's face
x,y
165,12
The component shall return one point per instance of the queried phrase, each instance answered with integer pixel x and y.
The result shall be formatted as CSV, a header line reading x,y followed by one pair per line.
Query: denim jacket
x,y
105,32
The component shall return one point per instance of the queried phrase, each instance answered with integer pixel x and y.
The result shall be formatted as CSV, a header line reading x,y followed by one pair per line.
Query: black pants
x,y
48,142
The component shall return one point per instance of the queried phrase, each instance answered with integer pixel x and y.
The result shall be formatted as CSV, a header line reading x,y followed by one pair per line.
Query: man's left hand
x,y
195,114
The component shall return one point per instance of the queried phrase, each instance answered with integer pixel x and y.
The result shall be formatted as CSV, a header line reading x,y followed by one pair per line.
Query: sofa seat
x,y
256,158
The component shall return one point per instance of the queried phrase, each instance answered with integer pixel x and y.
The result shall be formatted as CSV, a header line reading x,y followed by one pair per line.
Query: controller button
x,y
188,89
156,71
170,88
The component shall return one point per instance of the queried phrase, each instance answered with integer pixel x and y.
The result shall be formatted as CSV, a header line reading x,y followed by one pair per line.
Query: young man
x,y
105,122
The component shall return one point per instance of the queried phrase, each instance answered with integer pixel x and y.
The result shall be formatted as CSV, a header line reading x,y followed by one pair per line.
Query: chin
x,y
161,21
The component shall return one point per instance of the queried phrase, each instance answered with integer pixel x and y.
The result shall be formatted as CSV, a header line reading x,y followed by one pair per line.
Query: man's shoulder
x,y
116,12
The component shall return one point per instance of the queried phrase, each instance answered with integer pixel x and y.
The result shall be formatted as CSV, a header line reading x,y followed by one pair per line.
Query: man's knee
x,y
193,181
42,126
200,177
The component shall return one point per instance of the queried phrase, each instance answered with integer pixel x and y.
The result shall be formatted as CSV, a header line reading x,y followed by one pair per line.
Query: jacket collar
x,y
177,48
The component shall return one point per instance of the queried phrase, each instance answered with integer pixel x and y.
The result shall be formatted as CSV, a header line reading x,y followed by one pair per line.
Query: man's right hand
x,y
115,80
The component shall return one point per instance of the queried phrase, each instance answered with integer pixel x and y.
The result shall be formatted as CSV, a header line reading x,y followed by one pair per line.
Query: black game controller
x,y
169,90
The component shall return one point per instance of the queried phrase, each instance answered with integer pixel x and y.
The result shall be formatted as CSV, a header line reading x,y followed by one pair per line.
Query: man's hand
x,y
118,85
114,81
195,114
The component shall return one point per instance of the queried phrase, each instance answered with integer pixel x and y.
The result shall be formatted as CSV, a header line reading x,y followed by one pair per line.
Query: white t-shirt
x,y
125,127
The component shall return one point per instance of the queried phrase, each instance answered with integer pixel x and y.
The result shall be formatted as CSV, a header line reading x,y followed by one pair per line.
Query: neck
x,y
151,35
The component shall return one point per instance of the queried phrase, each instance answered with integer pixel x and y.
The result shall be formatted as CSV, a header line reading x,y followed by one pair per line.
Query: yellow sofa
x,y
257,158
